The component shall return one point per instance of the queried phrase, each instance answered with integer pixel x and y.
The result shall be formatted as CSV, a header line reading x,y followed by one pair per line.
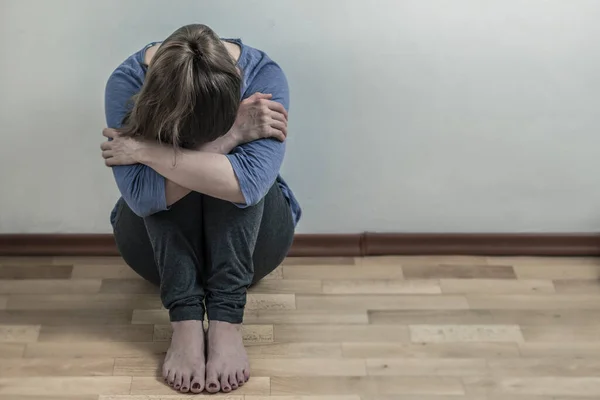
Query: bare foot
x,y
183,368
227,367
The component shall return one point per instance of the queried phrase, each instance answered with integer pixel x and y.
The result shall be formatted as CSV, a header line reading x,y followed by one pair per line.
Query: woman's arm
x,y
142,188
198,171
243,176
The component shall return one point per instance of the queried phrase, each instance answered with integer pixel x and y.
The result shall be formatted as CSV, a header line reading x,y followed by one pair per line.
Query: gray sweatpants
x,y
206,251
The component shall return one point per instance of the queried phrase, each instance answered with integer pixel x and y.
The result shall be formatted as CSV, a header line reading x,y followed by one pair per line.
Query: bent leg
x,y
165,248
243,245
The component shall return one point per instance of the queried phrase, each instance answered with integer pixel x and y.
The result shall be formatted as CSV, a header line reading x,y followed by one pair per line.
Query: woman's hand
x,y
120,150
260,118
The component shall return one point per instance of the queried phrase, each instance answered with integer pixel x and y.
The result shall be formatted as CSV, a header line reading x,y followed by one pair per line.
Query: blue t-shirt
x,y
256,164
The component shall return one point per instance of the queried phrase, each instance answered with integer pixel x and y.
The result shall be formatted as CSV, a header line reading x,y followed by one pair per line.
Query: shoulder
x,y
262,74
132,69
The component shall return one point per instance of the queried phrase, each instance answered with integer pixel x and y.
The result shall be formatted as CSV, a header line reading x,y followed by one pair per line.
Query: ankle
x,y
224,325
187,324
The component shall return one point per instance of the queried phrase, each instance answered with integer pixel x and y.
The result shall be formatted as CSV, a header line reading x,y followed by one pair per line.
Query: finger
x,y
107,154
275,106
110,133
265,96
106,145
279,116
280,126
277,134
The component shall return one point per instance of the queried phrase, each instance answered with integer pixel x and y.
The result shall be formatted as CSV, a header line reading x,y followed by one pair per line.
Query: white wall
x,y
407,115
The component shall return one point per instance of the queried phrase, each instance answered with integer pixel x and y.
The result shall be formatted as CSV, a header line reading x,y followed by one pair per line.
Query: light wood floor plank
x,y
41,386
325,397
577,286
173,396
294,367
11,350
88,261
305,286
160,317
49,286
65,317
80,301
19,333
35,271
307,261
139,366
465,333
544,261
12,260
97,349
132,286
341,272
533,302
154,386
541,386
430,350
337,303
293,317
427,366
557,366
3,302
97,333
485,317
422,260
258,301
562,333
29,367
340,333
458,272
561,350
496,286
107,271
295,350
558,271
365,385
398,286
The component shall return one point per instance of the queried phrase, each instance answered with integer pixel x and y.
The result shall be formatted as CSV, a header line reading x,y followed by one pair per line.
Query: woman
x,y
204,212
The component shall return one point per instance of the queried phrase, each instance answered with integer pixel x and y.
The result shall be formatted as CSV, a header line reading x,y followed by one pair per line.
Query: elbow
x,y
139,207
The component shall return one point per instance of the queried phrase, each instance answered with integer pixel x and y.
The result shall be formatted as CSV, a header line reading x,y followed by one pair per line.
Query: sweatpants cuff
x,y
186,313
231,316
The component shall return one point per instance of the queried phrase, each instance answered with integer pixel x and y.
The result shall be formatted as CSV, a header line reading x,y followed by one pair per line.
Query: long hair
x,y
191,92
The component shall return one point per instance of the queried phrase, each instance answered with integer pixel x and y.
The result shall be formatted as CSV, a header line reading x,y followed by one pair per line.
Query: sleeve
x,y
142,188
257,164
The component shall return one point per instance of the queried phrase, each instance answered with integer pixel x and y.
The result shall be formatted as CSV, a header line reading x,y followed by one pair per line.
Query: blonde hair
x,y
191,92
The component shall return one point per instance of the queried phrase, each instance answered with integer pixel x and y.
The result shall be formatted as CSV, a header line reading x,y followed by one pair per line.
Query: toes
x,y
197,385
246,374
185,383
233,380
177,383
225,386
240,378
212,381
171,378
165,373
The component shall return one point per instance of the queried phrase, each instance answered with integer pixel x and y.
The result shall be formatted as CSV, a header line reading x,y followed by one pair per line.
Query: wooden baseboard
x,y
340,245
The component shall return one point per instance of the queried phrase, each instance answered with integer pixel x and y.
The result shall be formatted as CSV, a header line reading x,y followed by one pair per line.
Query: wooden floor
x,y
395,328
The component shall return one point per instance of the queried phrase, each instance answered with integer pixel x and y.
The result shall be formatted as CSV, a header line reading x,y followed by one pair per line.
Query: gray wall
x,y
407,115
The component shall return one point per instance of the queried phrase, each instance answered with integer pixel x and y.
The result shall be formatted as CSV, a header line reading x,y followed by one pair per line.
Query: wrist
x,y
143,152
234,138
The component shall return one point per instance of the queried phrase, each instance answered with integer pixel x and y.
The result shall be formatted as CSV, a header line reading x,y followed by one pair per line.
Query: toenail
x,y
212,386
196,386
